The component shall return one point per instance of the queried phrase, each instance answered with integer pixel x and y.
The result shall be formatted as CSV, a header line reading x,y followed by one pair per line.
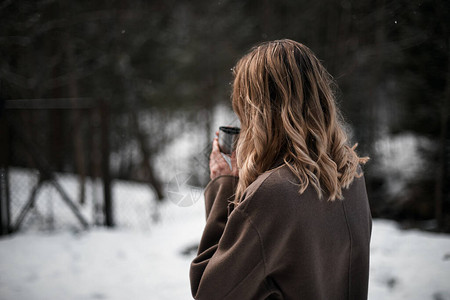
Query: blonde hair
x,y
284,99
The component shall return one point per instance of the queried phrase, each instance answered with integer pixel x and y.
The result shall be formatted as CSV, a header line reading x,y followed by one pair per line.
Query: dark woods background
x,y
162,67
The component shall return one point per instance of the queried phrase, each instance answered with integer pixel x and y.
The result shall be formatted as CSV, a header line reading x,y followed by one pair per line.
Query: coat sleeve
x,y
229,263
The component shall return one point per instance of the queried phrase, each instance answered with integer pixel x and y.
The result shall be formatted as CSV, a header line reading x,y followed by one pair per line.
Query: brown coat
x,y
280,245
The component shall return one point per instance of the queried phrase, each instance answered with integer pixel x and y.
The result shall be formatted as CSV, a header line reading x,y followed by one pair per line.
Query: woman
x,y
291,219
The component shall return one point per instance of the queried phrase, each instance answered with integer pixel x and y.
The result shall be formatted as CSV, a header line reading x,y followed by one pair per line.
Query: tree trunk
x,y
441,170
80,163
149,172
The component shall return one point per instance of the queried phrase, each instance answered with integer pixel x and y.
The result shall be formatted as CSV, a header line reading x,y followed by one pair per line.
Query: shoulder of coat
x,y
274,180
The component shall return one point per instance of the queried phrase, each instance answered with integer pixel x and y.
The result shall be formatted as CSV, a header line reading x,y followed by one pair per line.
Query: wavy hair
x,y
284,99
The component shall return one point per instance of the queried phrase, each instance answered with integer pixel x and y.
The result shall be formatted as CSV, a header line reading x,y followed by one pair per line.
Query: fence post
x,y
105,149
5,214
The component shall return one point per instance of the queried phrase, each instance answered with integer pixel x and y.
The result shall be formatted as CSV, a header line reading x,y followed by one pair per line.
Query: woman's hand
x,y
217,163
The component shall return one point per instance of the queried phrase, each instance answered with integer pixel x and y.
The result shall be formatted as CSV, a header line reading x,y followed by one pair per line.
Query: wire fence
x,y
55,164
46,185
134,204
43,188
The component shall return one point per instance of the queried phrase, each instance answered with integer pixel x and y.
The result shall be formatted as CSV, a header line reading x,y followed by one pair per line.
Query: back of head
x,y
284,99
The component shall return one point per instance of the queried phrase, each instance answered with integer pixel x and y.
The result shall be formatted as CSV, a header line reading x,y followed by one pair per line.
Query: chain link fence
x,y
42,188
46,185
55,164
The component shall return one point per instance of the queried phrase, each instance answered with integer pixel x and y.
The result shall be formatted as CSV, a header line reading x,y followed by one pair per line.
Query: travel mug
x,y
227,138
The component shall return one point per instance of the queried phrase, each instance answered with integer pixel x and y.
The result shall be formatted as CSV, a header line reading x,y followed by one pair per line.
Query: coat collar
x,y
278,161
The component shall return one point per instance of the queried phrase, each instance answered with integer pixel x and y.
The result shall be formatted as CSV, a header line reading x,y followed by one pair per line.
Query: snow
x,y
142,258
400,159
408,264
103,263
137,263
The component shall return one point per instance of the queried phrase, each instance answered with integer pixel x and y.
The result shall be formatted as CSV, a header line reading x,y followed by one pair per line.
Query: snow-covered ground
x,y
408,264
101,263
148,263
142,258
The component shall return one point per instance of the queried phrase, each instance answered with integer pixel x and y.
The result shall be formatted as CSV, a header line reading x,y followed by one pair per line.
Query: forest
x,y
162,67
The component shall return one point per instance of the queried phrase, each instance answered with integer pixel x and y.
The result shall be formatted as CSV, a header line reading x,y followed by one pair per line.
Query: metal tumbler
x,y
227,138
